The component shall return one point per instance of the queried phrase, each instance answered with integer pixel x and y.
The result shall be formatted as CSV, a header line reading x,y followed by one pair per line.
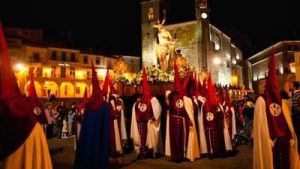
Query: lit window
x,y
72,72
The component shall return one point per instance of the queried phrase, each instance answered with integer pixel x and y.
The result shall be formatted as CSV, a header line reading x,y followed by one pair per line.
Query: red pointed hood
x,y
32,92
95,82
84,100
186,81
106,85
211,93
113,89
272,91
146,88
204,88
196,84
178,85
85,97
34,100
17,115
9,79
220,98
96,99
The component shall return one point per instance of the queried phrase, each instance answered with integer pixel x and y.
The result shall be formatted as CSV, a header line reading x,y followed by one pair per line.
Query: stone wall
x,y
186,39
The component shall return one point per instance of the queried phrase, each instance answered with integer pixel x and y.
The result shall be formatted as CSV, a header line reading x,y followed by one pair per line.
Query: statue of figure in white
x,y
165,47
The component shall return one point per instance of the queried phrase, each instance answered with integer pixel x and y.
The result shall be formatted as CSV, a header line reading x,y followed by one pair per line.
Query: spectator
x,y
50,119
71,119
61,114
64,129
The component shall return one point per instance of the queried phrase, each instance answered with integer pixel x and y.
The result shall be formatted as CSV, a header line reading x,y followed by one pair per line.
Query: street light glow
x,y
204,15
227,55
217,46
217,61
19,67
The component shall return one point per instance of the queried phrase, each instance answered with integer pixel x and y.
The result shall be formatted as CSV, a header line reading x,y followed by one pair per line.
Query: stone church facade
x,y
203,45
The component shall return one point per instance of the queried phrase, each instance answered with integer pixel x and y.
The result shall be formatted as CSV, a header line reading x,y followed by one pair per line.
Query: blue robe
x,y
93,145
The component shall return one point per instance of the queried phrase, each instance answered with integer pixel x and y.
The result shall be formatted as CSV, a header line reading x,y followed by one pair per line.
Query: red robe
x,y
279,132
179,128
213,126
143,115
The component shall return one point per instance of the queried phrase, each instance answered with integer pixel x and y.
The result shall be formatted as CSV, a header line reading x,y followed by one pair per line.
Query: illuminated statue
x,y
165,47
179,59
120,66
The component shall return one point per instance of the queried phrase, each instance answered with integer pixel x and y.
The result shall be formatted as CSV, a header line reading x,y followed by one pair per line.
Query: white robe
x,y
294,156
233,123
122,123
116,130
262,150
202,137
227,138
153,138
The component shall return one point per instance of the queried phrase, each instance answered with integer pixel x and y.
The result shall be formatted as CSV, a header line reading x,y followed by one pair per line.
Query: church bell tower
x,y
202,15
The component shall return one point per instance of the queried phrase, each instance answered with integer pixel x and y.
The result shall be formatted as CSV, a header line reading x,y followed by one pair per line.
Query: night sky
x,y
113,27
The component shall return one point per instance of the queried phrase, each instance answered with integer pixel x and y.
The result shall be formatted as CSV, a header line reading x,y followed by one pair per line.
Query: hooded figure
x,y
213,122
117,128
92,148
32,98
275,141
181,133
145,123
23,143
229,114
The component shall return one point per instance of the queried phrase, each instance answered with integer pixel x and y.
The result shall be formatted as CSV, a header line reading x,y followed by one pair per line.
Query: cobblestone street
x,y
62,152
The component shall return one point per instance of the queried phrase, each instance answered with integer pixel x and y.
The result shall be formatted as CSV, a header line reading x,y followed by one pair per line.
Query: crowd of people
x,y
196,120
62,121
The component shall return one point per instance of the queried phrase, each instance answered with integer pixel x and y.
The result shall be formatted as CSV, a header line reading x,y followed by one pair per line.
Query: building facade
x,y
285,55
204,46
57,70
